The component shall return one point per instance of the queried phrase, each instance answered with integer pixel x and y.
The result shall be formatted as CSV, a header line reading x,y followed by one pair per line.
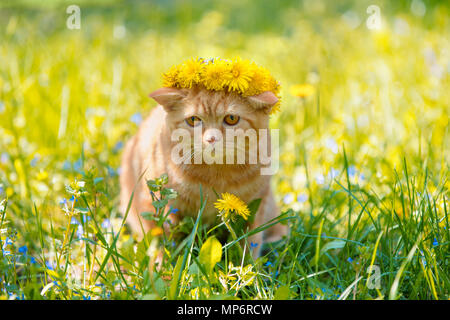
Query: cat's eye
x,y
193,121
231,119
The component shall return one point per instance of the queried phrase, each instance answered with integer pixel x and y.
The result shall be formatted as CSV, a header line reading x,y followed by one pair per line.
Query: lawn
x,y
363,182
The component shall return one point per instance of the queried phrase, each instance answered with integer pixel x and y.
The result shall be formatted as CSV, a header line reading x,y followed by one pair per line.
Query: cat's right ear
x,y
263,101
169,98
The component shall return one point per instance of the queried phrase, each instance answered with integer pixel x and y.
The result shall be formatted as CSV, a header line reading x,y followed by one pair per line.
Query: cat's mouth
x,y
217,155
229,155
213,147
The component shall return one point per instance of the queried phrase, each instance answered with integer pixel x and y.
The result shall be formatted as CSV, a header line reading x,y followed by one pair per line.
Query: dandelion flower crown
x,y
241,76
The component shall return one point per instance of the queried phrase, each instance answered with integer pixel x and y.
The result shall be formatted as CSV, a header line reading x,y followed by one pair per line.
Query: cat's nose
x,y
211,139
212,136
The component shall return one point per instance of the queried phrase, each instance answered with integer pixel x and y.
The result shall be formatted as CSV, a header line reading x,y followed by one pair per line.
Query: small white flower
x,y
81,184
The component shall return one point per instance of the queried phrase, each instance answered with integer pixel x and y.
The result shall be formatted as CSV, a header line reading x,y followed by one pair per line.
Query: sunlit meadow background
x,y
364,158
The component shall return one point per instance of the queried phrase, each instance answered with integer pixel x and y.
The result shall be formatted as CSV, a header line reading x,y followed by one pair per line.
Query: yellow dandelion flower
x,y
302,90
156,231
170,78
241,76
231,206
42,175
260,81
9,192
190,72
212,76
238,76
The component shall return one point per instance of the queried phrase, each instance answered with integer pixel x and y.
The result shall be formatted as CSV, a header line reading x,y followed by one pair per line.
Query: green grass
x,y
363,181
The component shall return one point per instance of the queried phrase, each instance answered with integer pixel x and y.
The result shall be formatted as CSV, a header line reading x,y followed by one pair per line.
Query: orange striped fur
x,y
150,149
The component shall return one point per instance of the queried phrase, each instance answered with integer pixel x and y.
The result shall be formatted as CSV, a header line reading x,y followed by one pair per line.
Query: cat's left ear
x,y
169,98
263,101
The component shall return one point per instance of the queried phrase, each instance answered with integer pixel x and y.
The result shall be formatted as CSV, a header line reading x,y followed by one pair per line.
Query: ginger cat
x,y
150,150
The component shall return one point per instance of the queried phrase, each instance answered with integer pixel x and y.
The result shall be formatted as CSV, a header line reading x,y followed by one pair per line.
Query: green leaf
x,y
175,279
83,210
169,193
152,185
160,203
162,180
148,215
97,180
282,293
336,244
210,253
160,287
253,206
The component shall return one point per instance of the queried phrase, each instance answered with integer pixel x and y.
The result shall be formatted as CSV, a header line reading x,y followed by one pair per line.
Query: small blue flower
x,y
350,260
435,242
320,179
23,249
8,241
111,171
332,145
302,198
106,224
268,263
174,211
72,198
67,165
63,201
34,161
4,158
80,231
288,198
118,146
352,171
78,165
333,173
49,265
253,244
33,260
87,298
136,118
424,261
74,221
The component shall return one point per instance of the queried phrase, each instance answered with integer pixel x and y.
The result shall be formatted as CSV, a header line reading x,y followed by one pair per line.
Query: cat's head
x,y
215,111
